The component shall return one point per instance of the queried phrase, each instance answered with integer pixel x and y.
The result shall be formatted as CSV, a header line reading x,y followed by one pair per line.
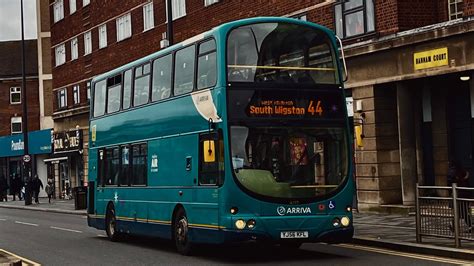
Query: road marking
x,y
388,226
403,254
65,229
17,222
3,219
101,236
26,261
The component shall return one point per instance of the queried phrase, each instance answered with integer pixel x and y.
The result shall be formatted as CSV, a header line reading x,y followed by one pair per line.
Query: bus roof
x,y
221,28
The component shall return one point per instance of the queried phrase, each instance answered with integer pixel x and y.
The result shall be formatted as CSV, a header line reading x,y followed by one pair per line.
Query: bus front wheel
x,y
111,224
181,233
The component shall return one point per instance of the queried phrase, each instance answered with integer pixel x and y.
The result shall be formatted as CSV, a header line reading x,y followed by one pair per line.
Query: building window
x,y
178,8
103,36
72,6
62,98
354,18
88,86
58,10
210,2
87,43
15,95
455,9
74,49
16,125
302,17
124,27
60,52
76,94
148,18
85,2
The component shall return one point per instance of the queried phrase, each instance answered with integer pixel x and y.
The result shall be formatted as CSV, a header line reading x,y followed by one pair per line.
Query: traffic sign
x,y
26,158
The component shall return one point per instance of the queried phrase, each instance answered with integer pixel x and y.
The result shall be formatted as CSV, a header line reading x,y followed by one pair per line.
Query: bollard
x,y
457,241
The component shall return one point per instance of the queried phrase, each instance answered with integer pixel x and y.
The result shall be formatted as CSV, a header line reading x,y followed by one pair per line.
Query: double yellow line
x,y
408,255
23,260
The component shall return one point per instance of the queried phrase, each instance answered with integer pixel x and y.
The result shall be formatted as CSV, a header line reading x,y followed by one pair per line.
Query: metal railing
x,y
450,216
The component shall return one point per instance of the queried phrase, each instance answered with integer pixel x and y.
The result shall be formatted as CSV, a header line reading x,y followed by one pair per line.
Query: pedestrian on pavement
x,y
457,174
16,186
49,189
36,185
3,188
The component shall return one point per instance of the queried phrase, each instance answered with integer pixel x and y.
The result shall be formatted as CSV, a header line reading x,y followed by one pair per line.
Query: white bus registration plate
x,y
294,234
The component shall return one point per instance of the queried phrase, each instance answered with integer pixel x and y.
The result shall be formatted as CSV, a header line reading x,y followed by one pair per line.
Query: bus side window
x,y
139,164
184,70
112,166
127,89
99,98
114,90
207,65
161,86
142,85
101,168
124,166
211,171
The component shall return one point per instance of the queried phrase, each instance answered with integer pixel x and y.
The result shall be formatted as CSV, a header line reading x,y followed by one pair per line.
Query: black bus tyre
x,y
181,233
111,224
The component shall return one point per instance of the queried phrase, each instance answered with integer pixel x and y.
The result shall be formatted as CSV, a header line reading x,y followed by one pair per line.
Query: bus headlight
x,y
345,221
240,224
336,222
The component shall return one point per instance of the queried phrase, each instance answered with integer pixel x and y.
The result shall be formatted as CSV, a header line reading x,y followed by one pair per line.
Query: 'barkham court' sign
x,y
431,58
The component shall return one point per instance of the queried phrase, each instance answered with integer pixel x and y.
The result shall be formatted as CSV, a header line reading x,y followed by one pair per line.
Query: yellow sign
x,y
94,132
431,58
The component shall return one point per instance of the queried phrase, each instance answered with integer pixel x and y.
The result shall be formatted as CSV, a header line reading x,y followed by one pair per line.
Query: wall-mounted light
x,y
465,78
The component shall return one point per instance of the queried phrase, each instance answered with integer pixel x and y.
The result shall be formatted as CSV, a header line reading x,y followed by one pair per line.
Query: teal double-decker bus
x,y
236,134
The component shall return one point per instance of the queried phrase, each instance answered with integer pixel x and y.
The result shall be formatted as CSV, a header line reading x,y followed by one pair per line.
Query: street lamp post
x,y
26,162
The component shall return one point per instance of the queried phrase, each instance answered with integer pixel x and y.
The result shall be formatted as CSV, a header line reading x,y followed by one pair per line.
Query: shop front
x,y
66,167
12,155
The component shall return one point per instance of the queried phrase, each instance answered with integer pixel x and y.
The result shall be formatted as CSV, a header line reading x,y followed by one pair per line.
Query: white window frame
x,y
88,90
16,120
176,12
124,27
15,90
62,102
85,2
102,36
72,6
87,43
148,17
60,54
458,11
58,10
210,2
76,94
74,49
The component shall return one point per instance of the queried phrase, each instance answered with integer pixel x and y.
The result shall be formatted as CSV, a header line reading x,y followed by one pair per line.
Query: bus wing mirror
x,y
343,57
209,149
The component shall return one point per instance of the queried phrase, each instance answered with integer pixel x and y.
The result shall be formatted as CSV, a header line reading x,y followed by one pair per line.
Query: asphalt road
x,y
61,239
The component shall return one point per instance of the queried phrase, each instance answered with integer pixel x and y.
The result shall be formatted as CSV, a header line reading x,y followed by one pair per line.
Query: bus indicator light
x,y
321,207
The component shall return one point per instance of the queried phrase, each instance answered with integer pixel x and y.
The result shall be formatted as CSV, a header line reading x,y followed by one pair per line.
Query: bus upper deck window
x,y
99,98
207,65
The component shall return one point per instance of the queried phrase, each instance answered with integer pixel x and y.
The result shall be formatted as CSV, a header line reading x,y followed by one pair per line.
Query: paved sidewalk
x,y
58,206
388,231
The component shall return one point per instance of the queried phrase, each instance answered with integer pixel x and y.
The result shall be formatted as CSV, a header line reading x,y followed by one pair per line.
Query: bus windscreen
x,y
280,53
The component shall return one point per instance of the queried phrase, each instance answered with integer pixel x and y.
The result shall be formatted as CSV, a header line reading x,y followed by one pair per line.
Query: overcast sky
x,y
10,19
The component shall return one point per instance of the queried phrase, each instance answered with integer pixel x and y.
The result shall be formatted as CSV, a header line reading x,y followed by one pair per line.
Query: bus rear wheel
x,y
111,224
181,233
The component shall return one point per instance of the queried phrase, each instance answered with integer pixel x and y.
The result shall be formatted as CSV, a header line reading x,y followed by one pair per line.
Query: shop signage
x,y
431,58
68,141
39,142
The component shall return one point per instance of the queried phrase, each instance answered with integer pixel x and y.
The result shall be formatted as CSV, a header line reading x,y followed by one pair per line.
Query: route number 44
x,y
313,110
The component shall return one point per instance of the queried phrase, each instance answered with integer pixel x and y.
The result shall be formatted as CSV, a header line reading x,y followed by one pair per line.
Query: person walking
x,y
16,186
36,185
3,188
49,189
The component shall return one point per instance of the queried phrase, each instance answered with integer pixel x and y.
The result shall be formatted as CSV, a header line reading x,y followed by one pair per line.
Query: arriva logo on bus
x,y
294,210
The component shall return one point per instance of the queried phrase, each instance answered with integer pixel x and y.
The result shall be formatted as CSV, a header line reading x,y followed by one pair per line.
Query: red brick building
x,y
383,37
11,105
